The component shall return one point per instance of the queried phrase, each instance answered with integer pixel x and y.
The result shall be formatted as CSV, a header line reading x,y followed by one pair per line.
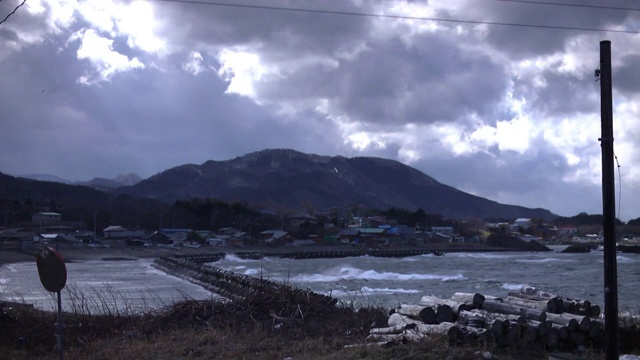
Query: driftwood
x,y
473,299
425,314
527,318
506,308
436,329
446,310
397,319
392,330
584,322
557,304
542,305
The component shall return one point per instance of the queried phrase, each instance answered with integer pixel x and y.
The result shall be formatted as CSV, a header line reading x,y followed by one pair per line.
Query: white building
x,y
522,222
46,218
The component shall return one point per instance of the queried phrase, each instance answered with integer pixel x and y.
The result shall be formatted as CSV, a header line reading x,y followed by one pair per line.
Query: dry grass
x,y
274,327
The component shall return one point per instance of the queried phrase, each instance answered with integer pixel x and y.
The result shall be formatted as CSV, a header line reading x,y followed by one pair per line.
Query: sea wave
x,y
351,273
486,255
235,258
545,260
626,260
513,287
367,291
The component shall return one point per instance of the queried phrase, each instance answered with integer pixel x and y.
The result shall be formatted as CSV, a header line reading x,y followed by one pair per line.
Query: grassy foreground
x,y
257,328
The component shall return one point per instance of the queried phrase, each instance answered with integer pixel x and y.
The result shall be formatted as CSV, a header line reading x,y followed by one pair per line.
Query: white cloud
x,y
241,69
99,52
514,134
194,64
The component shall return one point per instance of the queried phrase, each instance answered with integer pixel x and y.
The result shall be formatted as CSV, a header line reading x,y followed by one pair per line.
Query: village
x,y
50,229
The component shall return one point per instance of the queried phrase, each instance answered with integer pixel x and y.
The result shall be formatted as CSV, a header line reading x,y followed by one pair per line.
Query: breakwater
x,y
232,285
324,254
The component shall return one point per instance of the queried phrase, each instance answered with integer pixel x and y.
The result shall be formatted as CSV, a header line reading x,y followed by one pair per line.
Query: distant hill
x,y
96,183
44,192
20,197
107,184
46,177
293,179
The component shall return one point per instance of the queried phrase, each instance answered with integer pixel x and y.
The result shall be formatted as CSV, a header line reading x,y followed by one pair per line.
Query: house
x,y
214,240
45,218
233,236
524,223
274,237
60,239
176,236
120,232
349,235
373,236
159,237
16,238
445,230
400,234
61,229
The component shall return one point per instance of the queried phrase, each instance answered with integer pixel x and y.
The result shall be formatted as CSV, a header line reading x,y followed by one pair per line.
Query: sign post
x,y
53,276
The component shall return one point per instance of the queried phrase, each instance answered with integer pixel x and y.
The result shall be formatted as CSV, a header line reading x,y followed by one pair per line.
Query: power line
x,y
571,5
401,17
13,12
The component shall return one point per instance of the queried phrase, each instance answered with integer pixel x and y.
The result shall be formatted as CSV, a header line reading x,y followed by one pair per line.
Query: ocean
x,y
135,285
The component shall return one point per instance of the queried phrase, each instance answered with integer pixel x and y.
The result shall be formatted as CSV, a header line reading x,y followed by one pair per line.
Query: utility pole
x,y
608,205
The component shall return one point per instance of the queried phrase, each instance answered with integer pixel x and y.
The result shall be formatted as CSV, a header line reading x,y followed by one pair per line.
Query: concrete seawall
x,y
321,254
231,285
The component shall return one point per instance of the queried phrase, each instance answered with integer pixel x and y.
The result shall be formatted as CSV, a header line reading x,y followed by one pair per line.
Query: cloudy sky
x,y
512,113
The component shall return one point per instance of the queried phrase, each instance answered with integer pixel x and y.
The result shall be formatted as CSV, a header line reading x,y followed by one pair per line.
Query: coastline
x,y
76,254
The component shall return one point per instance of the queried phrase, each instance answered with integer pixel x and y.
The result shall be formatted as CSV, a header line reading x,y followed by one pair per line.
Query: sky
x,y
495,98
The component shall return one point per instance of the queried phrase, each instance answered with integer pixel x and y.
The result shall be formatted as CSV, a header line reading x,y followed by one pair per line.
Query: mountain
x,y
96,183
46,177
107,184
20,197
292,179
36,192
127,179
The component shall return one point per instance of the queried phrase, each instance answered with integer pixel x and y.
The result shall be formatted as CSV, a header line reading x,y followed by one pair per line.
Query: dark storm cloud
x,y
512,179
391,82
627,77
563,93
332,85
521,42
278,33
52,123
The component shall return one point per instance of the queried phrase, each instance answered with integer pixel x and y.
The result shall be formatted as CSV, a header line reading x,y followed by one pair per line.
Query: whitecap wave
x,y
485,255
350,273
513,287
366,289
235,258
626,260
545,260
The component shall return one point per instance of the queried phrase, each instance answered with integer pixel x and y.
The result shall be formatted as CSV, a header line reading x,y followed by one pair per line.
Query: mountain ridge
x,y
292,179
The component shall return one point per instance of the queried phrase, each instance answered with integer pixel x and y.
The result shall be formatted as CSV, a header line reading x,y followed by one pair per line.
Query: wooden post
x,y
608,205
